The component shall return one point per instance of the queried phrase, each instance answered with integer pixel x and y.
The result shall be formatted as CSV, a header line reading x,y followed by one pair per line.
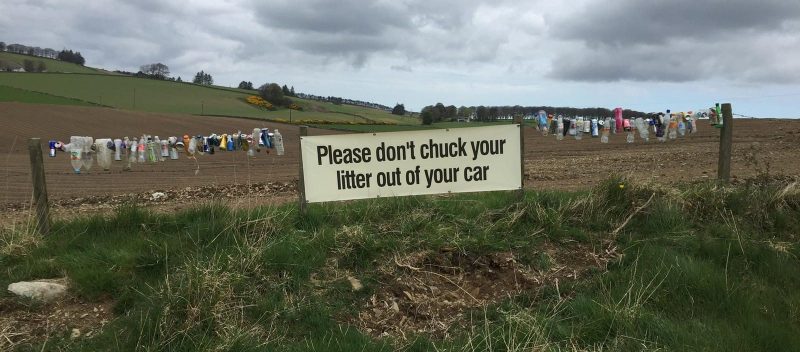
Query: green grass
x,y
52,65
700,269
410,127
8,94
140,94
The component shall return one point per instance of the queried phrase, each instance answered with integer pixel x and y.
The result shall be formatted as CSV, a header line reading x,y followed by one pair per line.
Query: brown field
x,y
760,146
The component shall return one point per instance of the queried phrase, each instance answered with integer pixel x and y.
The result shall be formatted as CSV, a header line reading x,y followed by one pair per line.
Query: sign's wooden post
x,y
725,144
39,187
521,121
301,185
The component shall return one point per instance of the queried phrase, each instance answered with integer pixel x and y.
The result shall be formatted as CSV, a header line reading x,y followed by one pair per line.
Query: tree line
x,y
440,112
65,55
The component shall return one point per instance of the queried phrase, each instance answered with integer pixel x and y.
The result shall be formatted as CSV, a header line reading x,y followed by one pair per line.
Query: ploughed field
x,y
760,146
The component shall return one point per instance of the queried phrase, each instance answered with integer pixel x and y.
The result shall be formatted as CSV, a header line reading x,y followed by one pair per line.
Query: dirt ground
x,y
760,146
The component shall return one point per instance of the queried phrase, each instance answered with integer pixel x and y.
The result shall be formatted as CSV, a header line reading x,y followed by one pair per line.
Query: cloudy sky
x,y
643,55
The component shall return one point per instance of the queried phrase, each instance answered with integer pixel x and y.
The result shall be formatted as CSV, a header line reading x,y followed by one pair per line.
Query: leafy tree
x,y
41,67
285,90
482,113
273,93
427,115
28,65
70,56
246,85
157,70
203,78
2,46
450,112
179,79
399,109
291,91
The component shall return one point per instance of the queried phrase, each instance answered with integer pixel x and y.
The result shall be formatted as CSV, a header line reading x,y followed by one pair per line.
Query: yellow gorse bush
x,y
260,102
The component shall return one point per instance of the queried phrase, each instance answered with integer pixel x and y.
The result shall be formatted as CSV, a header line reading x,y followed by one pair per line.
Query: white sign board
x,y
371,165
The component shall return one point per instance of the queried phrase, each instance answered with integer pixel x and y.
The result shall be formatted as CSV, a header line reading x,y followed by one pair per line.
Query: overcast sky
x,y
642,55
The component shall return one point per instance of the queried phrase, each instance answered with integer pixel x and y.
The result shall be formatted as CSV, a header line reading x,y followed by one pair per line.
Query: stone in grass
x,y
41,290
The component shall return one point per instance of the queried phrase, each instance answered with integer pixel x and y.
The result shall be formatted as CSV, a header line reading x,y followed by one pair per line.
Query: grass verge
x,y
621,267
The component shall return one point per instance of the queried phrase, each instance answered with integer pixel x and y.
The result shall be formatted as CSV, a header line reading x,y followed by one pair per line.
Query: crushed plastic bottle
x,y
87,156
559,128
642,127
279,143
103,153
141,150
173,147
606,130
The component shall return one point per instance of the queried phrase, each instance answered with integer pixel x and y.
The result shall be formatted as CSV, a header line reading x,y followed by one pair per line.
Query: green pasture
x,y
8,94
140,94
52,65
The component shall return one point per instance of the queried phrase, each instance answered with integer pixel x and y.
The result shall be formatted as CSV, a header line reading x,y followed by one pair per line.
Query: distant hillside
x,y
51,64
142,94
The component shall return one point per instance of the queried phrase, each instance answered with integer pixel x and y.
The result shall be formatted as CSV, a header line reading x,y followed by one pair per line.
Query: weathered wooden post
x,y
40,200
725,144
521,121
301,184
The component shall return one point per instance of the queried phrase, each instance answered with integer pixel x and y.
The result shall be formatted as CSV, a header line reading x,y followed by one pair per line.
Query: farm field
x,y
9,94
761,147
52,65
138,94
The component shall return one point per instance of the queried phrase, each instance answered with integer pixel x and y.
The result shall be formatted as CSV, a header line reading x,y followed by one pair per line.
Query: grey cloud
x,y
624,22
680,41
322,16
401,68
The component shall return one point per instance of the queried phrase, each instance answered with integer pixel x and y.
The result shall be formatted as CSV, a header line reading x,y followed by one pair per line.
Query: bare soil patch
x,y
431,293
26,322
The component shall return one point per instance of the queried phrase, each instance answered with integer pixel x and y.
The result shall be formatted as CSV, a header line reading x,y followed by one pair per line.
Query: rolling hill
x,y
132,93
52,65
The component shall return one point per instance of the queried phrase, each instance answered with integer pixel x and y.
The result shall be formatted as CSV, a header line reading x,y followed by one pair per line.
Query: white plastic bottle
x,y
579,128
87,156
141,149
103,153
279,143
75,148
117,149
559,128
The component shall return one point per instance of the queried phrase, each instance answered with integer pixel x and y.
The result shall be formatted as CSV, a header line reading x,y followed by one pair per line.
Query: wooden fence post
x,y
301,184
521,121
39,187
725,144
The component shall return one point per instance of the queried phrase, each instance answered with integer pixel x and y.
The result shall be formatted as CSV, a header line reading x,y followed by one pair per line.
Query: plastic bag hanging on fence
x,y
587,126
553,126
76,153
173,147
198,145
681,125
279,142
152,150
673,126
626,125
87,156
642,127
142,154
103,153
578,128
618,120
542,121
595,128
606,130
191,147
559,128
